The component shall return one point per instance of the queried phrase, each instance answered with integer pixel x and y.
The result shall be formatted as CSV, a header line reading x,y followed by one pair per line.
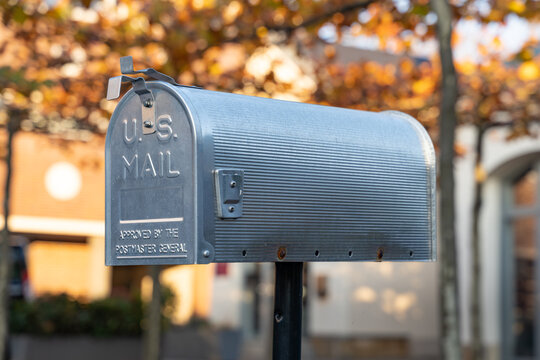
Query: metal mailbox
x,y
197,176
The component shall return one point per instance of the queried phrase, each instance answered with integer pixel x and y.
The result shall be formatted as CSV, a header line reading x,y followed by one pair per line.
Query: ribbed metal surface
x,y
327,184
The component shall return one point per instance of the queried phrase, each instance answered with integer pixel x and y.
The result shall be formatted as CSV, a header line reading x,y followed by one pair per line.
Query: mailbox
x,y
196,176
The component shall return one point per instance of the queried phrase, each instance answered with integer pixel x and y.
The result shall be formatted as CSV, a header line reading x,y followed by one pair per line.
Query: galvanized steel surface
x,y
150,192
320,183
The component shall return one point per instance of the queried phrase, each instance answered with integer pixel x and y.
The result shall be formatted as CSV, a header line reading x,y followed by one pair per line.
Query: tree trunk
x,y
449,317
152,336
476,279
5,253
476,316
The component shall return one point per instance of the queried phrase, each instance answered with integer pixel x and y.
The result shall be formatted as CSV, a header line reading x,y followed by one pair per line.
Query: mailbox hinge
x,y
139,86
229,192
126,67
145,95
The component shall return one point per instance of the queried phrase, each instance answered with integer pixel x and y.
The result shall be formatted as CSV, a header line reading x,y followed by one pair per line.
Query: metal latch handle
x,y
148,111
139,86
126,68
115,85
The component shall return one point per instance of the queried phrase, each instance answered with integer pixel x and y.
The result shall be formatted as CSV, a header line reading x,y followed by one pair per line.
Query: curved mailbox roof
x,y
311,183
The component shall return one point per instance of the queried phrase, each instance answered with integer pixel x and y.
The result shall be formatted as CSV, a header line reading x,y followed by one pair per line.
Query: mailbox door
x,y
150,184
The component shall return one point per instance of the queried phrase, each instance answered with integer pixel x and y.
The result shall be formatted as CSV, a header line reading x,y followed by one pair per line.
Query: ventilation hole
x,y
244,252
411,253
350,253
317,253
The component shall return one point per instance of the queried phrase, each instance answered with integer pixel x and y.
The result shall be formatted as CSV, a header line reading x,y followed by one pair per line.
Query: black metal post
x,y
288,311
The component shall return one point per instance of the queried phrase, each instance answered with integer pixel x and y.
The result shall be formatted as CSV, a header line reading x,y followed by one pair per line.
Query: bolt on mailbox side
x,y
231,178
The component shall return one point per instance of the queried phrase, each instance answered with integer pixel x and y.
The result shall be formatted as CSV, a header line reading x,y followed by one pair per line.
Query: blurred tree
x,y
279,48
497,92
16,111
497,98
449,315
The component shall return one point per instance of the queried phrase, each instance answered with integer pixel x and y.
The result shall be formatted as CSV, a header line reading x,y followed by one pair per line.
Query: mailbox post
x,y
196,176
288,311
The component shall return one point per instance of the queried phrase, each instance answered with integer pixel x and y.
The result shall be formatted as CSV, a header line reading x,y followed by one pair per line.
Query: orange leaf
x,y
528,71
517,6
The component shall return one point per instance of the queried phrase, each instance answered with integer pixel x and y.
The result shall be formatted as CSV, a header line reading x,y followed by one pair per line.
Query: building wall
x,y
227,290
500,156
361,300
58,202
192,285
34,157
370,300
55,267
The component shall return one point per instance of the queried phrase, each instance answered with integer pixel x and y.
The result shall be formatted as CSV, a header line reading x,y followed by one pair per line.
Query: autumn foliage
x,y
55,59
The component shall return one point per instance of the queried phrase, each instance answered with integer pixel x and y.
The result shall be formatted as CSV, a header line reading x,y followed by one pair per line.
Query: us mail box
x,y
197,176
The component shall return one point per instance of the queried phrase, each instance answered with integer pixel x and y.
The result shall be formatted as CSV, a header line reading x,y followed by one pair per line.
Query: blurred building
x,y
374,309
509,241
391,309
58,208
57,205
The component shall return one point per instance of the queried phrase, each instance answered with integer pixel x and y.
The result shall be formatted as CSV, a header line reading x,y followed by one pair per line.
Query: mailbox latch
x,y
145,95
148,108
229,192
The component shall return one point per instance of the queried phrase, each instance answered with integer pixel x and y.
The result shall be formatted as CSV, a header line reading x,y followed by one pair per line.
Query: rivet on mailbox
x,y
197,176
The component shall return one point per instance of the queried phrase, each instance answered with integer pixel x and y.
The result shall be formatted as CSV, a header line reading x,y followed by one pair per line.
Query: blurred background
x,y
480,300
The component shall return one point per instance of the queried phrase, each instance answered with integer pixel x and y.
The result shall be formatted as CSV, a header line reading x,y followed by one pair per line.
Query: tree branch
x,y
321,17
308,22
449,289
